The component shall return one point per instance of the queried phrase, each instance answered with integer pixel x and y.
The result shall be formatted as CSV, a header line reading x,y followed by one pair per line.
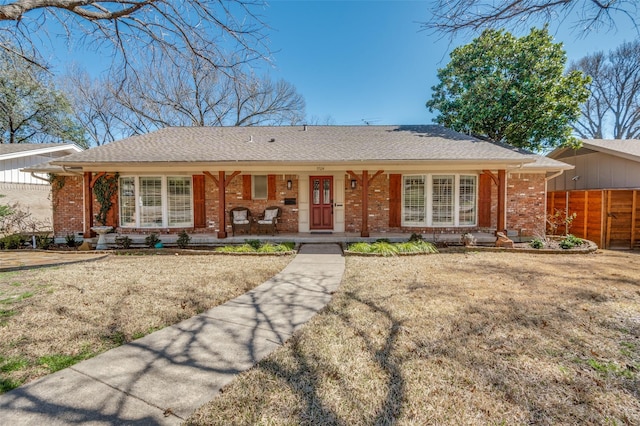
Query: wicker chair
x,y
268,221
240,218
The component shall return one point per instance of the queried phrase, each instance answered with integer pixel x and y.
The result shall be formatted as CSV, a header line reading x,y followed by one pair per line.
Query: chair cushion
x,y
239,215
270,214
240,222
265,222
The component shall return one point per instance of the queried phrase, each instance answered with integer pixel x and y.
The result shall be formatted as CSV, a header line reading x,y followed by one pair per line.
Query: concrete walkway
x,y
164,377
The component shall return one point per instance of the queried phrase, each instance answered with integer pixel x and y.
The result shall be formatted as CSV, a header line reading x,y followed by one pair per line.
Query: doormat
x,y
321,232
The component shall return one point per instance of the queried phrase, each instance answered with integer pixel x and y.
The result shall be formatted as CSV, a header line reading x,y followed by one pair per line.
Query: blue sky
x,y
368,61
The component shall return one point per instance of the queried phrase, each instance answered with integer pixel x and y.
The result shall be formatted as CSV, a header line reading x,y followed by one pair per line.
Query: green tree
x,y
511,90
31,109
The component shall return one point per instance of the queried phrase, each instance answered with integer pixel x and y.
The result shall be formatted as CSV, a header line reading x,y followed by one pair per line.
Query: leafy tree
x,y
204,28
31,109
613,108
510,90
451,16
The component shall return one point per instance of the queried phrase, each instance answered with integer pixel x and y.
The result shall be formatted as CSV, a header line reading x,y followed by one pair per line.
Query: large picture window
x,y
438,200
156,201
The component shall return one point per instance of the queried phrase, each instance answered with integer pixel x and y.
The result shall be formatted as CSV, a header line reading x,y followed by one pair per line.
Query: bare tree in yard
x,y
451,16
96,107
203,28
187,93
613,108
194,93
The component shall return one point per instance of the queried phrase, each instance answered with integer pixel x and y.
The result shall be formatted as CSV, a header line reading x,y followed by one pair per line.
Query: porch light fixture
x,y
289,184
354,183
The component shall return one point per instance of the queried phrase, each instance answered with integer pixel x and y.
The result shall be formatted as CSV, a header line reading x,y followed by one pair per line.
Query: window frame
x,y
255,196
164,202
428,196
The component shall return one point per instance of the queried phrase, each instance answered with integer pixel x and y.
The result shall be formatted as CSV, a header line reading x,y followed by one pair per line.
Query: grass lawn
x,y
52,318
475,338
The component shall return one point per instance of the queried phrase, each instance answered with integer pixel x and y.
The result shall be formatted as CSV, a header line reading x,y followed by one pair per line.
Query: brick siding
x,y
525,206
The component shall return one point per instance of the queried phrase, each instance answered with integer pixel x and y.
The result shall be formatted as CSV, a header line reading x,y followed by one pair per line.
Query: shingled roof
x,y
301,144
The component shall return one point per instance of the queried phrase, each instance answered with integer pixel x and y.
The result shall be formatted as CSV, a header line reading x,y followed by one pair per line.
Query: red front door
x,y
321,202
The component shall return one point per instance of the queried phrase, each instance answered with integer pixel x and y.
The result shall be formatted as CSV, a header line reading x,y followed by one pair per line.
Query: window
x,y
439,200
414,199
156,201
442,193
467,200
127,201
259,187
179,201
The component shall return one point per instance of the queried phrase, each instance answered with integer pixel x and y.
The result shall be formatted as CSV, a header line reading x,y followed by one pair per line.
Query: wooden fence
x,y
608,217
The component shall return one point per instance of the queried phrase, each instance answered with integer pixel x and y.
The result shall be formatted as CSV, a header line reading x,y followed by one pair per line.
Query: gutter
x,y
71,172
34,175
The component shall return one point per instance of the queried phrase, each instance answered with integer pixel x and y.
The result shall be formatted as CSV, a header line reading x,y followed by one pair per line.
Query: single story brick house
x,y
326,179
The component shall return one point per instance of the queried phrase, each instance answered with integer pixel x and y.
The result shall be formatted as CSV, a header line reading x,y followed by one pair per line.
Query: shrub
x,y
70,239
151,240
570,241
12,242
43,242
256,244
536,243
183,239
415,237
123,242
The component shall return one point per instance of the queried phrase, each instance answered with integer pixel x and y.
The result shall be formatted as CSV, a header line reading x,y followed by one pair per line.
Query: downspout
x,y
34,175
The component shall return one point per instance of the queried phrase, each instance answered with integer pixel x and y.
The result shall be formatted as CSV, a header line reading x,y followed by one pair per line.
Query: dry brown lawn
x,y
476,338
53,317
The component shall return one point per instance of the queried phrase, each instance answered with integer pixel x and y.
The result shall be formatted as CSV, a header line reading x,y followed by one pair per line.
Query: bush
x,y
183,239
392,249
536,243
256,244
43,242
70,239
12,242
151,240
123,242
570,241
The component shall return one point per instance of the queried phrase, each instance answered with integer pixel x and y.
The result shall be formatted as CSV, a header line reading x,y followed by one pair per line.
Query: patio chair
x,y
240,220
268,221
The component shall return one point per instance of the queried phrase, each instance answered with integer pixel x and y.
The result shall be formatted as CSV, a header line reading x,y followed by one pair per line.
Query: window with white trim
x,y
439,200
259,187
156,201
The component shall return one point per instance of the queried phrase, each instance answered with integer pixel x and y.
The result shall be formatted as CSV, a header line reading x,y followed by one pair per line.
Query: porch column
x,y
88,205
364,182
364,232
502,199
222,204
222,232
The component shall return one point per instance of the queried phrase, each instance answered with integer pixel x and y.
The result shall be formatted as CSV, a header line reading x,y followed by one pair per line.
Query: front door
x,y
321,202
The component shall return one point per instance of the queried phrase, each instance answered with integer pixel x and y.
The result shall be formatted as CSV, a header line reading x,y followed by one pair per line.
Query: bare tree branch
x,y
452,16
613,109
202,28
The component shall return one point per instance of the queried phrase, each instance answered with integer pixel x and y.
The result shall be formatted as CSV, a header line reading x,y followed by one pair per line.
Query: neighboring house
x,y
30,190
602,190
340,179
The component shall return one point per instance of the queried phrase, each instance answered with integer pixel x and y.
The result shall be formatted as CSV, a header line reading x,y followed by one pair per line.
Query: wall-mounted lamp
x,y
289,184
354,183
